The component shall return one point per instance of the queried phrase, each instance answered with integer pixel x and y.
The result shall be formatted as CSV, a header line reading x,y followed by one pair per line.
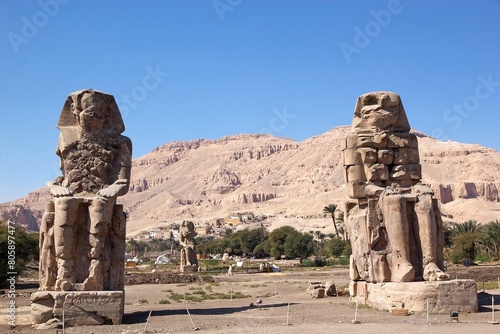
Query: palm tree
x,y
469,226
131,247
330,209
491,238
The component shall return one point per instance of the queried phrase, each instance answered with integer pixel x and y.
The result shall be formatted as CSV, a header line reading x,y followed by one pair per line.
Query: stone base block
x,y
81,308
188,269
442,296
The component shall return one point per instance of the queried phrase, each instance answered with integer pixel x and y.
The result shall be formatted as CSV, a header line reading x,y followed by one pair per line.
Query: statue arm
x,y
57,190
373,190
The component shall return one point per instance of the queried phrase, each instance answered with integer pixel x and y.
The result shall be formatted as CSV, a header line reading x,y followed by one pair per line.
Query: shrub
x,y
18,244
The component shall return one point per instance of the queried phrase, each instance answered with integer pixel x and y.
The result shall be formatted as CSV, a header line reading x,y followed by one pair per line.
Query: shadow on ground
x,y
142,316
485,300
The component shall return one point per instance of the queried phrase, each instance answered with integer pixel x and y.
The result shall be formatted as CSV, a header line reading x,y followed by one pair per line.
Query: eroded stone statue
x,y
83,229
189,262
392,218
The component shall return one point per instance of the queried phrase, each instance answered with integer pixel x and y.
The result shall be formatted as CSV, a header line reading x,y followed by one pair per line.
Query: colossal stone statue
x,y
392,218
83,229
187,234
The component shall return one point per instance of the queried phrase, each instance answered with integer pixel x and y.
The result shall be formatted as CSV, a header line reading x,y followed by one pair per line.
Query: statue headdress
x,y
68,123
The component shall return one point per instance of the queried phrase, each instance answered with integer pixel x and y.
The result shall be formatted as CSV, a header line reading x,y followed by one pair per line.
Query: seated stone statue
x,y
83,230
189,262
393,220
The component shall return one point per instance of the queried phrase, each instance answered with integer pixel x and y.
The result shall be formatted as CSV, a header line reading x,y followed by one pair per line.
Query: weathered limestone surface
x,y
82,234
189,261
321,290
393,219
80,308
442,296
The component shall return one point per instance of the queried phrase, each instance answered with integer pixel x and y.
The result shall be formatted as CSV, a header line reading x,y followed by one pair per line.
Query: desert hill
x,y
205,179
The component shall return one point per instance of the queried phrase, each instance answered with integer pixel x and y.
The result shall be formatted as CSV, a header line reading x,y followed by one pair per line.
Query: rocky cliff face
x,y
460,171
204,179
24,217
484,190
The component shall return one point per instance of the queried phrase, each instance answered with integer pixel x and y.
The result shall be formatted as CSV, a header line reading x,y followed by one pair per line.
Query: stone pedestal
x,y
81,308
442,296
188,269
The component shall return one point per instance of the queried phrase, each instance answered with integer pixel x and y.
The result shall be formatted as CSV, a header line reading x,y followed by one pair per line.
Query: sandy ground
x,y
286,308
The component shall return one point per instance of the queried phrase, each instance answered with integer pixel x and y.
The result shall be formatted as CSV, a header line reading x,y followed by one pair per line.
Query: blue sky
x,y
183,70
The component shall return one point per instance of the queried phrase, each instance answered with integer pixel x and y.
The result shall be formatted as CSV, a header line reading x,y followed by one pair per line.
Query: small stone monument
x,y
82,234
392,218
189,262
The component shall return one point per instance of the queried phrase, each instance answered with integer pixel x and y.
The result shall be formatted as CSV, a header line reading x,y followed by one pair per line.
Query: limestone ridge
x,y
204,179
18,213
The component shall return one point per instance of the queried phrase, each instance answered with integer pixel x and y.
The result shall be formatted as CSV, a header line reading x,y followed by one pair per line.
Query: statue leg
x,y
396,223
117,232
356,224
183,257
428,230
101,212
47,264
64,240
193,261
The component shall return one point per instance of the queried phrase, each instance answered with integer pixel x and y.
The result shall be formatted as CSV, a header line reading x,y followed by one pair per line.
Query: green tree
x,y
491,239
335,247
465,239
136,248
17,246
161,245
467,226
253,238
330,210
289,242
210,245
131,246
260,250
275,246
298,245
347,250
202,244
464,247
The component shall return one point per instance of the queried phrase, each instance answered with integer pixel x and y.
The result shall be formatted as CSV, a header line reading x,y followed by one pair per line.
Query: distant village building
x,y
172,230
237,218
202,230
232,219
141,236
247,216
163,234
218,222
